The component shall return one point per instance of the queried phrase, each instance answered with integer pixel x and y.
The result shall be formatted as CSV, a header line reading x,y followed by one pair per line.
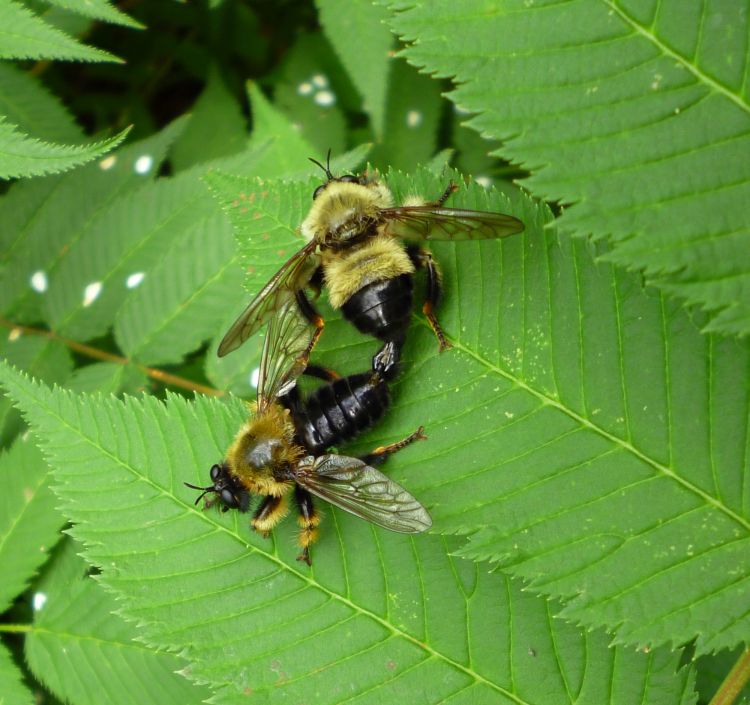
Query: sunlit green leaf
x,y
15,691
575,423
379,614
22,155
98,10
633,112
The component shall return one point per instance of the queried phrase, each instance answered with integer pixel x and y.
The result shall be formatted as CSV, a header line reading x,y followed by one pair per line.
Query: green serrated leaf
x,y
108,378
577,419
358,32
84,652
21,155
29,521
216,127
379,614
27,104
42,358
14,691
288,149
98,10
411,119
43,219
635,112
24,35
185,297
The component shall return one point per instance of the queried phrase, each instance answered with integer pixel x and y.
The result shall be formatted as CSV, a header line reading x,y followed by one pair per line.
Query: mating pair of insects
x,y
365,251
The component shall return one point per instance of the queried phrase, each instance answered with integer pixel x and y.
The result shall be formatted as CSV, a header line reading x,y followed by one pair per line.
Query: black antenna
x,y
206,490
327,168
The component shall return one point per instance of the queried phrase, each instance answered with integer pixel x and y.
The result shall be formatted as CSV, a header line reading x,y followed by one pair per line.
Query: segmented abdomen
x,y
336,412
383,308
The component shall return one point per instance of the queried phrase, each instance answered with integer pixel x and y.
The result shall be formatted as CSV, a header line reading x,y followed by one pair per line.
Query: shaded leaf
x,y
29,521
21,155
14,690
98,10
24,35
84,652
45,218
635,113
358,32
379,614
216,127
25,102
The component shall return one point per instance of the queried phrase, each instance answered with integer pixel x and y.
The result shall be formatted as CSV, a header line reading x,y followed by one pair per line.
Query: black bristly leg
x,y
270,512
423,259
452,188
308,520
380,454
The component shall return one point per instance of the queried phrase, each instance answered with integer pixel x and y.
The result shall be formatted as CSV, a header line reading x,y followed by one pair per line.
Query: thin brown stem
x,y
735,681
159,375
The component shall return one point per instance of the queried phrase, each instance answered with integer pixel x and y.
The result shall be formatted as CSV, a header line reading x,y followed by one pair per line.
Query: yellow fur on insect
x,y
342,202
273,425
377,259
312,522
264,524
307,537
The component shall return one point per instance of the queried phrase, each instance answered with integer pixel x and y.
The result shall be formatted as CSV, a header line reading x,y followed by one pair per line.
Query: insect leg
x,y
324,373
423,259
308,520
452,188
270,512
311,314
380,454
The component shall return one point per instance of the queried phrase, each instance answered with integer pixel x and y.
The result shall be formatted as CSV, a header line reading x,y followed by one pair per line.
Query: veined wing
x,y
283,358
293,275
363,491
431,222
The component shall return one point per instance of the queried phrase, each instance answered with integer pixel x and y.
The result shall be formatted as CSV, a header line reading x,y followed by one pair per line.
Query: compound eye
x,y
318,191
349,179
215,470
228,499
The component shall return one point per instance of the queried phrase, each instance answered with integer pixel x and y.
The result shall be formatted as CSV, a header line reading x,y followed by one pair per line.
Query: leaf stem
x,y
159,375
734,682
15,628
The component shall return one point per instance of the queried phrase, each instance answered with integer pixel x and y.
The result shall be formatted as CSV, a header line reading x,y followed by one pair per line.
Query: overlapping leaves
x,y
636,113
391,612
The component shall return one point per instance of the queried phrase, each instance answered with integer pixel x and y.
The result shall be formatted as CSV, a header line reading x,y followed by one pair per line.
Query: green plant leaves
x,y
391,612
24,35
29,520
98,10
21,155
634,113
83,652
597,460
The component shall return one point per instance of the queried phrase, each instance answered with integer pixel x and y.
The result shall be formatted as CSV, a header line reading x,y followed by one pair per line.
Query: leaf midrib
x,y
583,421
43,402
690,66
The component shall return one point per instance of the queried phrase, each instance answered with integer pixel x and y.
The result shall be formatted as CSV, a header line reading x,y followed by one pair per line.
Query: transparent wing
x,y
293,275
438,223
364,491
284,357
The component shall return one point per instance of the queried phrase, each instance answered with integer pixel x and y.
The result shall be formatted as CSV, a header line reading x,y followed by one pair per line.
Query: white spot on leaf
x,y
320,80
254,375
134,279
39,600
483,181
413,118
39,281
91,293
108,162
143,164
14,335
325,98
305,88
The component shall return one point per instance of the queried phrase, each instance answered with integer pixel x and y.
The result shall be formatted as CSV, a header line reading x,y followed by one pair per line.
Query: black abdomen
x,y
338,411
383,308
